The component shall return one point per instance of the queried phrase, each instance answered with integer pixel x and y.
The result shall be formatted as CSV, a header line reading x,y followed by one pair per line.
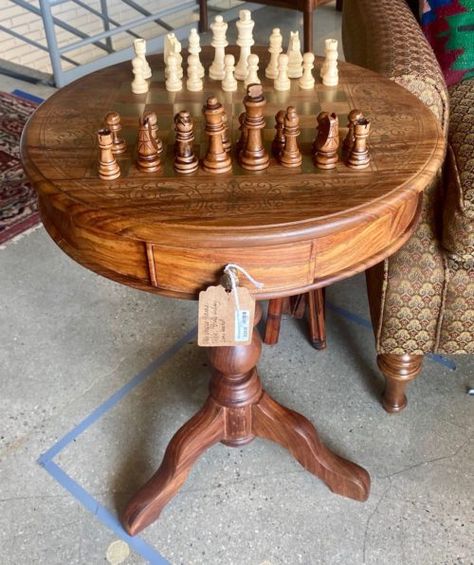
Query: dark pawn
x,y
147,151
108,166
349,140
242,142
185,160
253,156
278,142
112,123
152,119
290,156
359,157
217,160
327,141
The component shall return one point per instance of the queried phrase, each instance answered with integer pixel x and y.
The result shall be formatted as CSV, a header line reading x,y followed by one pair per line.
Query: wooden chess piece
x,y
295,58
108,166
139,84
307,81
173,82
219,42
242,142
359,157
327,141
112,123
148,159
349,140
329,70
139,46
185,160
152,119
245,41
282,81
278,142
252,70
290,155
253,156
226,142
274,49
217,160
229,83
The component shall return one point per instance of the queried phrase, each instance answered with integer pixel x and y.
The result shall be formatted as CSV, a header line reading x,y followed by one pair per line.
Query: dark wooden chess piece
x,y
359,157
253,156
349,140
108,166
278,142
242,142
217,160
290,155
327,141
226,142
112,123
148,159
185,160
152,119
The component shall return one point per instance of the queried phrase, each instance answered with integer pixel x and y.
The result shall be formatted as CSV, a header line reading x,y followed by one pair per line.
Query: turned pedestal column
x,y
236,411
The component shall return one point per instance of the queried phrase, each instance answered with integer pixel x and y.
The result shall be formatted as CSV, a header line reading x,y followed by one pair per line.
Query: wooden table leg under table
x,y
236,411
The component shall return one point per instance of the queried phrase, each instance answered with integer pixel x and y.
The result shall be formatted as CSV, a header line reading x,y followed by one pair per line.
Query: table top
x,y
294,229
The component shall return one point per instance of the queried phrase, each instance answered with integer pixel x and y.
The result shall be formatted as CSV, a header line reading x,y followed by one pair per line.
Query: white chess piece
x,y
169,39
139,46
252,73
295,58
275,48
229,84
307,80
173,82
194,82
139,84
176,49
282,82
219,42
244,41
194,48
329,71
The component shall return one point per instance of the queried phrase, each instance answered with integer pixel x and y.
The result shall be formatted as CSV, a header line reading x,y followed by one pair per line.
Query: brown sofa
x,y
422,297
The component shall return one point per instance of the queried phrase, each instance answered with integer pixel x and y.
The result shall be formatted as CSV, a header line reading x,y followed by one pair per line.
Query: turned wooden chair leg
x,y
203,19
316,318
273,322
308,30
398,371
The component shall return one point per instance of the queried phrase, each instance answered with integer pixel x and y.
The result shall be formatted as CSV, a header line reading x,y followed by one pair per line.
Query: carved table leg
x,y
236,411
398,371
316,318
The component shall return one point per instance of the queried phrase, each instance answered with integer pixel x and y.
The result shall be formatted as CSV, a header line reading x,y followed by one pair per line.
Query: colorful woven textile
x,y
449,27
18,204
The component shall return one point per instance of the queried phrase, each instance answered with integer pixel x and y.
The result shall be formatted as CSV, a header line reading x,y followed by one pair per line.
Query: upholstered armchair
x,y
422,297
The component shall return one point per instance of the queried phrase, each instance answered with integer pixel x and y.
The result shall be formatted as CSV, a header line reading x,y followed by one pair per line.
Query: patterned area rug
x,y
18,204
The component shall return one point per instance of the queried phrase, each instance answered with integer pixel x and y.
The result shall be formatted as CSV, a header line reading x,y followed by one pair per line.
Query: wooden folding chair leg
x,y
316,318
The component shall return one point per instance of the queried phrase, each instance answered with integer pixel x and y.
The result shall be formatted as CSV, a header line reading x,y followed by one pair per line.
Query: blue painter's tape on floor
x,y
361,321
105,516
27,96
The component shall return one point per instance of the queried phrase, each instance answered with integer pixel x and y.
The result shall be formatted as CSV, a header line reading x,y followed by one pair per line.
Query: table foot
x,y
236,411
293,431
198,434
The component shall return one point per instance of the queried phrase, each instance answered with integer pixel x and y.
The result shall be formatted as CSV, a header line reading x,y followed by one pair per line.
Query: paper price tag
x,y
220,323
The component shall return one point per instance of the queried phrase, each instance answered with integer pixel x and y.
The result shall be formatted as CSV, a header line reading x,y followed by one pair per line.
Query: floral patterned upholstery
x,y
422,297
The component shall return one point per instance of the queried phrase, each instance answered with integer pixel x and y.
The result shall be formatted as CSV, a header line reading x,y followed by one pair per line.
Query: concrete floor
x,y
71,340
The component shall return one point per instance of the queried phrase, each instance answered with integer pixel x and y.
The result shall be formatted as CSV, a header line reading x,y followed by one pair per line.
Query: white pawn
x,y
139,84
194,48
244,41
295,59
173,82
275,48
252,73
219,42
329,71
307,80
194,82
282,82
229,84
139,46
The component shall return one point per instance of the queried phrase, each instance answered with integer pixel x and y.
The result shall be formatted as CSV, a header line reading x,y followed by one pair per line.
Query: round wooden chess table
x,y
292,229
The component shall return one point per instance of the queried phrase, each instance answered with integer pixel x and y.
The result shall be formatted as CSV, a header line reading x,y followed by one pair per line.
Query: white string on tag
x,y
229,270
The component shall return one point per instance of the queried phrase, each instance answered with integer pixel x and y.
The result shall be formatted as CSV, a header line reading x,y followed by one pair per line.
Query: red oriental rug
x,y
18,204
